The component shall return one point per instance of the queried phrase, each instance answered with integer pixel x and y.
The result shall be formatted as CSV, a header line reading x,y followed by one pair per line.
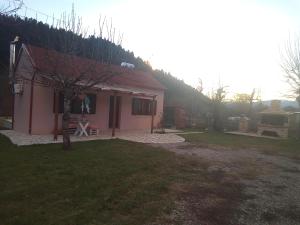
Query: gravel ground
x,y
268,186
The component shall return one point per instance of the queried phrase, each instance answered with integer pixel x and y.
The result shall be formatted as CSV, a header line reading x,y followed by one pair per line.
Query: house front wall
x,y
43,117
139,122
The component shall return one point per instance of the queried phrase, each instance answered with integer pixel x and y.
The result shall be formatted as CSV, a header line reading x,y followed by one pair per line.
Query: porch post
x,y
152,115
31,104
56,106
114,114
13,112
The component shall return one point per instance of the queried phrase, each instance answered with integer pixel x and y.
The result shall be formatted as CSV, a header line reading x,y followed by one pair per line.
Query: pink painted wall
x,y
43,116
42,110
22,102
132,122
43,101
21,110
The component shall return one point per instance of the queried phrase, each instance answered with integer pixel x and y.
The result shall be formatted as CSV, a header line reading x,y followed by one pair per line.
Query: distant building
x,y
175,117
276,122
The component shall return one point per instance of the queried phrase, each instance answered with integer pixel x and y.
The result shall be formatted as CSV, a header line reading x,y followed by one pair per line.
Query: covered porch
x,y
112,113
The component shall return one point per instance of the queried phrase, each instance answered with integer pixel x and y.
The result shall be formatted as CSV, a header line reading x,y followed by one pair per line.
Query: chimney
x,y
14,48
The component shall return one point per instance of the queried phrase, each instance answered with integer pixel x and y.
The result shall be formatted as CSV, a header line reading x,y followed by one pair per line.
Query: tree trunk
x,y
217,116
297,119
66,120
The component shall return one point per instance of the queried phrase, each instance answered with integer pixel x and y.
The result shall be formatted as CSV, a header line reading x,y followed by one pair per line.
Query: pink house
x,y
128,100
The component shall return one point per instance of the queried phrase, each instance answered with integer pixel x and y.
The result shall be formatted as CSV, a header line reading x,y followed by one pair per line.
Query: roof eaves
x,y
30,56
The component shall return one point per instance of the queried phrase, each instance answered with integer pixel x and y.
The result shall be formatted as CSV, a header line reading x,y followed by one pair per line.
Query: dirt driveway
x,y
242,186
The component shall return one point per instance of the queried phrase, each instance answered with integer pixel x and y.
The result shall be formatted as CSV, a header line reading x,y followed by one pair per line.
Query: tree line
x,y
38,33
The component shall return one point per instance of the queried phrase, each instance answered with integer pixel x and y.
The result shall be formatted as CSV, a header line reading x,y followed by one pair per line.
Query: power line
x,y
111,33
28,12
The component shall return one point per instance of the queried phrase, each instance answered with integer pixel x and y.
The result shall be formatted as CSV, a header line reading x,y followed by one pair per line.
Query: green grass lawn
x,y
116,182
192,129
99,182
286,147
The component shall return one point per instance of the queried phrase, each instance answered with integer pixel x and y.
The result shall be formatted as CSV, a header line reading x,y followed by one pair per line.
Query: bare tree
x,y
244,105
10,6
84,76
291,67
70,75
245,101
217,98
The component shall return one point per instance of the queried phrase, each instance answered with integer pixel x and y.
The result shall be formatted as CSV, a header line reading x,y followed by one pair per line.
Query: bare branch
x,y
8,7
65,70
291,66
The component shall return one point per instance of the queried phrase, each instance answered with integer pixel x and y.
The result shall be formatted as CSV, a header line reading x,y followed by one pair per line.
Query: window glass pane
x,y
78,106
142,106
135,106
87,105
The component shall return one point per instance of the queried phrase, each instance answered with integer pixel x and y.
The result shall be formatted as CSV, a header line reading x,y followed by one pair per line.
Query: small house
x,y
129,99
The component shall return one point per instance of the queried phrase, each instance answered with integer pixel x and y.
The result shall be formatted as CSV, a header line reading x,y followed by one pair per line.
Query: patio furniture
x,y
82,128
73,125
5,122
94,130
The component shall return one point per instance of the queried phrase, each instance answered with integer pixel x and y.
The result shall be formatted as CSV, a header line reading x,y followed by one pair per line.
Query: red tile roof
x,y
52,62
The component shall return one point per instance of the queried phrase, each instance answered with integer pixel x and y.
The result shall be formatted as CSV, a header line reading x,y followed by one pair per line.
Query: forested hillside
x,y
40,34
180,94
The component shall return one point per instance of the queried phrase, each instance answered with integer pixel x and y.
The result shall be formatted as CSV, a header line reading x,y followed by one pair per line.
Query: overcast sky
x,y
236,41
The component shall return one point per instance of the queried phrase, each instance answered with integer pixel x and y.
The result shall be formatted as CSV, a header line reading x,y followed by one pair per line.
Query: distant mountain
x,y
284,103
